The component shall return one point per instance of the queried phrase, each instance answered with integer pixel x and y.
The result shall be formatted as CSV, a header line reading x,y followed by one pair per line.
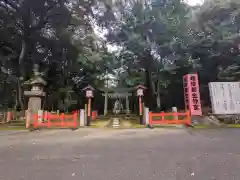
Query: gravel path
x,y
141,154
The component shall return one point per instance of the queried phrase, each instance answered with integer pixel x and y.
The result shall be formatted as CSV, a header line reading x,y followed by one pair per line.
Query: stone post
x,y
82,118
146,115
106,104
127,105
174,110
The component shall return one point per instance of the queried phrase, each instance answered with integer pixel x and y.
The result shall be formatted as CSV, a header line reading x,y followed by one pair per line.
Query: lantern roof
x,y
88,88
36,80
140,86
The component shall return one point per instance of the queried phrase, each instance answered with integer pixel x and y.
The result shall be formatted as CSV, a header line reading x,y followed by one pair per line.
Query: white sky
x,y
194,2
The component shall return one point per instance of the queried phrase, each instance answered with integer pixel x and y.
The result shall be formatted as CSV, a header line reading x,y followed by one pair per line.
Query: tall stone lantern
x,y
36,94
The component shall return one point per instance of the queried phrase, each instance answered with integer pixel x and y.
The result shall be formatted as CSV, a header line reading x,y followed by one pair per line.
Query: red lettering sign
x,y
192,94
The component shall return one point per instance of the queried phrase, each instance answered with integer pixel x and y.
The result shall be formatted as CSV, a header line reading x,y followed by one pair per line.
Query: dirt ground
x,y
136,154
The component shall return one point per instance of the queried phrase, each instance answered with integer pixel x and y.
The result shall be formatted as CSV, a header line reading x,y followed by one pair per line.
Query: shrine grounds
x,y
107,154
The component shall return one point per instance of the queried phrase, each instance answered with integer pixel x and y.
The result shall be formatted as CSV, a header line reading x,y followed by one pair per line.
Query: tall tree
x,y
150,34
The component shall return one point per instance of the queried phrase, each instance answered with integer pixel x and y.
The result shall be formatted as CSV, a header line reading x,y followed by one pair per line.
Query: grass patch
x,y
167,126
10,128
233,125
222,126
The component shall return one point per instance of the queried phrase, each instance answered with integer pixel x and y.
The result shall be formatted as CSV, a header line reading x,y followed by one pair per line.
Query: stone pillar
x,y
106,104
174,110
40,115
34,105
82,118
146,116
127,105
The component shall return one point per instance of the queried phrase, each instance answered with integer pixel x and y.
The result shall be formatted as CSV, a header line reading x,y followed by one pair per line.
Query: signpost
x,y
140,92
192,94
89,95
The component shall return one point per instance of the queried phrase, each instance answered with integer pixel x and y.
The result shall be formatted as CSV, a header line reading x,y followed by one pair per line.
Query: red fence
x,y
94,115
56,120
169,118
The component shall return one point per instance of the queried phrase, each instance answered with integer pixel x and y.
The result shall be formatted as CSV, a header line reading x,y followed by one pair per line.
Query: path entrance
x,y
117,97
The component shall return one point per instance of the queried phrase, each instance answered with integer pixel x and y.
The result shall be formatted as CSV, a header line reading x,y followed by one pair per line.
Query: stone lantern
x,y
35,95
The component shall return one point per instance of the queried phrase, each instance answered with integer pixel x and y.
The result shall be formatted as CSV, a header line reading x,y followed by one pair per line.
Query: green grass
x,y
233,125
11,128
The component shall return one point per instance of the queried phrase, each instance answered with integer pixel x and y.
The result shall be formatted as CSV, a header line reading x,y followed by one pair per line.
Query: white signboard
x,y
139,92
225,97
89,93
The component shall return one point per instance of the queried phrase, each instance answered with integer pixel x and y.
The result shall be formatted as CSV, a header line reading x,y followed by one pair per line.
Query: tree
x,y
214,40
151,36
50,33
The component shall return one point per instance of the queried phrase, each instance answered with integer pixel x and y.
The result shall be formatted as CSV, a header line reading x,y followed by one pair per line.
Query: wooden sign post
x,y
89,95
140,91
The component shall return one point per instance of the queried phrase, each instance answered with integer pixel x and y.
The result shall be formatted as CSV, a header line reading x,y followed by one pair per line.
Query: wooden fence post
x,y
150,118
162,116
188,117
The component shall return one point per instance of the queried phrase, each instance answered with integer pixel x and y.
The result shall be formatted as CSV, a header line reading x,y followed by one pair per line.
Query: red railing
x,y
169,118
50,120
94,115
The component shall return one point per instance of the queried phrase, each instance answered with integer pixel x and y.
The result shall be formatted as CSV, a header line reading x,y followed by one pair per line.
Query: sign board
x,y
89,93
192,94
225,97
139,92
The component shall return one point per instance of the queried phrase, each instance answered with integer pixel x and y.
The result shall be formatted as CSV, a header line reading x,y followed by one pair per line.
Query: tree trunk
x,y
20,94
148,94
21,59
158,95
158,101
21,74
16,99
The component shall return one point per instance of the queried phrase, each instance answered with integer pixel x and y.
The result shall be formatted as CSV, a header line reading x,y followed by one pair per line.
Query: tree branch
x,y
11,4
44,18
6,7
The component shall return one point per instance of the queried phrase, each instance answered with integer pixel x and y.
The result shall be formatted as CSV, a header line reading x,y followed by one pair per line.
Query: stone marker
x,y
146,116
174,110
82,118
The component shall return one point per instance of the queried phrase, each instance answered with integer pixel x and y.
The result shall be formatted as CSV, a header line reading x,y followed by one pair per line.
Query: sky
x,y
194,2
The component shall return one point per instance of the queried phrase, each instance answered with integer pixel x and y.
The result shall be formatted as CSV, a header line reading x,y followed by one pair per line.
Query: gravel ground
x,y
140,154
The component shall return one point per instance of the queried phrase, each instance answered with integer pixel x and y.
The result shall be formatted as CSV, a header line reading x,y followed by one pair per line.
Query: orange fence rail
x,y
169,118
50,120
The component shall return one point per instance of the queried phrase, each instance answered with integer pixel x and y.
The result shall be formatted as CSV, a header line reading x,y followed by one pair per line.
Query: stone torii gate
x,y
117,93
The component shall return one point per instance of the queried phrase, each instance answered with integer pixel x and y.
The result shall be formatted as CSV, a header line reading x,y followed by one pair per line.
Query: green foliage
x,y
157,43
